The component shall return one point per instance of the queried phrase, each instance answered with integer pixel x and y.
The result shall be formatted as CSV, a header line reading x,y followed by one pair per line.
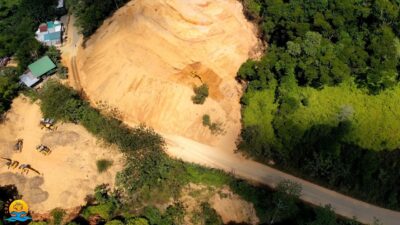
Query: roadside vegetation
x,y
322,101
150,178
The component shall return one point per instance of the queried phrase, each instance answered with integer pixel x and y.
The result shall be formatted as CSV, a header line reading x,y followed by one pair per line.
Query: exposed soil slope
x,y
146,58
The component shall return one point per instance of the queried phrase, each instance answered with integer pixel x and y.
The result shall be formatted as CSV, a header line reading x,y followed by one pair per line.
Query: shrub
x,y
105,211
215,128
138,221
115,222
206,120
153,215
201,93
209,215
103,165
35,223
62,71
58,216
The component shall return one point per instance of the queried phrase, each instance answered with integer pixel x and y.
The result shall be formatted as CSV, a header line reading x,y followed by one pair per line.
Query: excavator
x,y
26,168
11,164
18,146
43,149
47,123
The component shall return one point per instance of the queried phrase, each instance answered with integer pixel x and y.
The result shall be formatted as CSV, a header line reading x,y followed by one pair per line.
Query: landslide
x,y
146,58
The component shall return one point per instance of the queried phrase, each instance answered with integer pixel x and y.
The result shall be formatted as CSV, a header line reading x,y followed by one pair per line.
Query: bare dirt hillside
x,y
147,57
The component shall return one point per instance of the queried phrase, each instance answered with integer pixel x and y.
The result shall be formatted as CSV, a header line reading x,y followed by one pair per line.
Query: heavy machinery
x,y
47,123
18,146
43,149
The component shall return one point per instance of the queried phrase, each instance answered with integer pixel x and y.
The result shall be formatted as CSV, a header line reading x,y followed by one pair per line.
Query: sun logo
x,y
18,210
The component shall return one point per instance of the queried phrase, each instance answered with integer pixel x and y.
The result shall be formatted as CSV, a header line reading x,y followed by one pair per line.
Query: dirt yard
x,y
67,175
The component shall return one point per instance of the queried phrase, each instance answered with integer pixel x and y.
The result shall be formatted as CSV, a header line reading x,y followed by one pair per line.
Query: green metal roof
x,y
41,66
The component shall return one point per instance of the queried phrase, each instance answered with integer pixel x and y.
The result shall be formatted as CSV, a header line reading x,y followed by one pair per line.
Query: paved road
x,y
195,152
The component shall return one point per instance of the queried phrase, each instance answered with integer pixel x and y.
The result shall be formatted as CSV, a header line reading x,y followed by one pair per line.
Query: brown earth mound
x,y
147,57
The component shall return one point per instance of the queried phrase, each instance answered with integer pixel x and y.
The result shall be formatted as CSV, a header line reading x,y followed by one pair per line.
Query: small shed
x,y
43,66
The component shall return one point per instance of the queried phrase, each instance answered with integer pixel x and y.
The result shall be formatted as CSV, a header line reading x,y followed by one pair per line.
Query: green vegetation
x,y
208,215
322,102
103,165
201,93
91,14
9,88
58,216
151,178
18,21
215,128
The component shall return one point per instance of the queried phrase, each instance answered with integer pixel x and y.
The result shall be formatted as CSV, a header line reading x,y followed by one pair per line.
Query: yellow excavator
x,y
43,149
47,123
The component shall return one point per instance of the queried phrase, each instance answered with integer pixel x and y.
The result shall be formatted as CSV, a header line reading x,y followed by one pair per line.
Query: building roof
x,y
60,4
28,79
41,66
55,36
50,24
43,27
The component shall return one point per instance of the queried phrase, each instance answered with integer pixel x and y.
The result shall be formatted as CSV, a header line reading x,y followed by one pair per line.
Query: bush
x,y
62,71
201,93
206,120
105,211
103,165
138,221
209,215
115,222
215,128
58,216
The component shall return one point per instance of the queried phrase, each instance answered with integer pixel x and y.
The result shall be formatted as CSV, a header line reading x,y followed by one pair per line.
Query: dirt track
x,y
195,152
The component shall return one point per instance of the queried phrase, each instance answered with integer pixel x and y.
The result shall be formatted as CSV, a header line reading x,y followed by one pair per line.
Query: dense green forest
x,y
90,14
151,178
18,22
323,102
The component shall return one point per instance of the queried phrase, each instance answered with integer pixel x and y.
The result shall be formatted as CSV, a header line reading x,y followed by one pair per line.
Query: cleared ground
x,y
68,174
147,57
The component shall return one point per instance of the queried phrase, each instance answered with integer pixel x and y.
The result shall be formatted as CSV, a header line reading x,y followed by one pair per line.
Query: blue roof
x,y
28,79
50,24
56,36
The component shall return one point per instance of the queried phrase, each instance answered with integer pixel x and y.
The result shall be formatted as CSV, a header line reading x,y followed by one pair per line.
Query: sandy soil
x,y
146,58
67,175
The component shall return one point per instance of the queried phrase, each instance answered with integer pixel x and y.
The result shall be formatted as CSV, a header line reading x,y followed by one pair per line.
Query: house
x,y
50,33
43,66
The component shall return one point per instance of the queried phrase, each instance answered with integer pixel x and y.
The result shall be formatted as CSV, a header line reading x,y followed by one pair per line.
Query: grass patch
x,y
103,165
374,119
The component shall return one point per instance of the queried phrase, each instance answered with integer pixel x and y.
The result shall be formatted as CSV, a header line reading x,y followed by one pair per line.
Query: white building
x,y
50,33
